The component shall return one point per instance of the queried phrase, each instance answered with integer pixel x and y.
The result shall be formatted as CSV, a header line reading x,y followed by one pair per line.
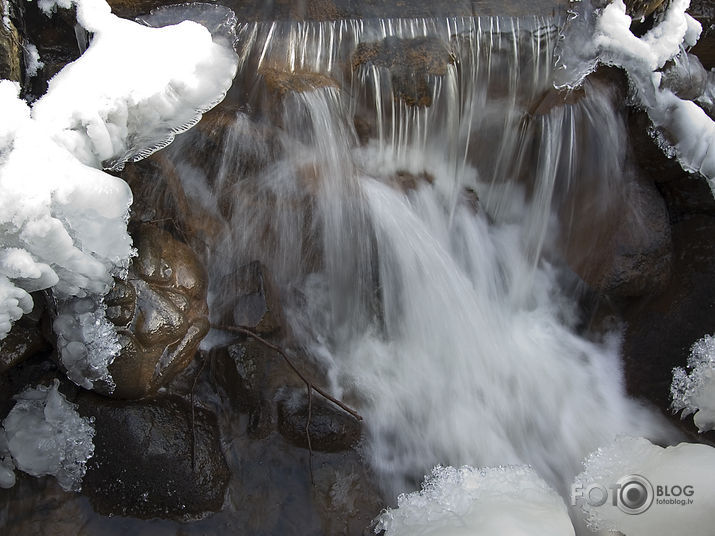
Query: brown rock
x,y
160,313
10,48
638,9
281,82
410,63
25,338
623,249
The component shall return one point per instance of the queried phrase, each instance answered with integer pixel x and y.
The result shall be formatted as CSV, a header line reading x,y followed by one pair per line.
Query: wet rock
x,y
25,338
407,181
629,254
254,302
662,327
638,9
151,461
411,64
685,76
704,12
282,82
160,313
56,40
10,46
330,428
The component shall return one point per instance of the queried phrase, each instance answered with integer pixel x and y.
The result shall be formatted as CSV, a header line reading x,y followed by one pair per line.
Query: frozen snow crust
x,y
63,220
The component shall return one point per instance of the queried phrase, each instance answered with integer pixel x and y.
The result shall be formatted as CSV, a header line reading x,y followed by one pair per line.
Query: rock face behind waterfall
x,y
160,313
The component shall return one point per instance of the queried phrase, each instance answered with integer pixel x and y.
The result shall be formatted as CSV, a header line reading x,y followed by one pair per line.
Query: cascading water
x,y
415,219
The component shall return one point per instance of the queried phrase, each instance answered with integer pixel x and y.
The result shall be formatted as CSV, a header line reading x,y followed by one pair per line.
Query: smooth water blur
x,y
418,248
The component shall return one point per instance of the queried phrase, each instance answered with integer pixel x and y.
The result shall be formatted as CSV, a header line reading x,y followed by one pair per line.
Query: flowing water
x,y
418,248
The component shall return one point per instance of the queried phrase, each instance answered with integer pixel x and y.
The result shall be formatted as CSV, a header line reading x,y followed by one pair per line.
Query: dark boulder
x,y
330,428
154,458
662,327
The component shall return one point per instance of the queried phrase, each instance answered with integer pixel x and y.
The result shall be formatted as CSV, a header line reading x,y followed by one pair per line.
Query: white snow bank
x,y
134,88
510,500
62,220
694,392
673,486
45,435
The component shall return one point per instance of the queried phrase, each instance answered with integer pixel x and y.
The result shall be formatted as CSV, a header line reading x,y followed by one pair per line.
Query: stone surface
x,y
150,461
662,327
255,302
330,428
281,82
410,62
637,9
704,12
10,46
685,76
623,249
160,313
25,338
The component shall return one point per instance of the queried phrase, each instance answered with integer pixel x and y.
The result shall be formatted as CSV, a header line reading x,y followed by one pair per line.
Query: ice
x,y
134,88
509,500
677,490
63,220
680,123
32,60
694,392
46,436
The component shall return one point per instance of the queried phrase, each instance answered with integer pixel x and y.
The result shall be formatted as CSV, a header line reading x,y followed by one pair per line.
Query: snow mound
x,y
641,489
509,500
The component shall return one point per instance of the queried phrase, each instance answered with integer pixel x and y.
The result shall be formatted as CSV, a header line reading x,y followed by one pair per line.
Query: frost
x,y
669,508
694,392
44,435
62,220
505,500
32,60
87,342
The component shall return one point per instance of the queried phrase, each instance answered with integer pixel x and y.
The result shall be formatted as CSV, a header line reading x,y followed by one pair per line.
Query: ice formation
x,y
44,435
682,126
509,500
63,220
673,488
694,392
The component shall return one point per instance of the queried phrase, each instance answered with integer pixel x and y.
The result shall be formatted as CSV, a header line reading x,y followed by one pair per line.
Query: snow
x,y
32,60
684,469
679,123
63,220
694,392
44,435
510,500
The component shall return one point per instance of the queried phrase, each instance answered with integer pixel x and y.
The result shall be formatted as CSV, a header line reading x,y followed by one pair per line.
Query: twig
x,y
250,333
307,432
193,432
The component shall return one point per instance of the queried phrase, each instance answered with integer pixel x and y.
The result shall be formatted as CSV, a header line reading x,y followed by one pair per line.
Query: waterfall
x,y
414,216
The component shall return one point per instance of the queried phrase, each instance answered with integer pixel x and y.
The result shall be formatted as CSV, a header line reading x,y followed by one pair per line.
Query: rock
x,y
704,12
25,338
410,62
685,76
624,248
330,428
56,42
281,82
142,464
662,327
637,9
254,303
10,46
160,313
